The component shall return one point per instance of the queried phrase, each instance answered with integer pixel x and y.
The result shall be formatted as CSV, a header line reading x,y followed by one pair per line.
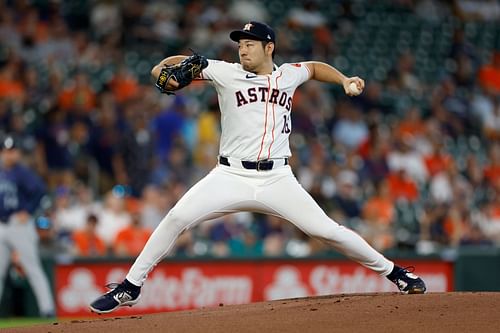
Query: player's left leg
x,y
221,192
24,240
287,198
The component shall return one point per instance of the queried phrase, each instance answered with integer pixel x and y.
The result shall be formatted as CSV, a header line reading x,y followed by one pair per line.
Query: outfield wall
x,y
180,284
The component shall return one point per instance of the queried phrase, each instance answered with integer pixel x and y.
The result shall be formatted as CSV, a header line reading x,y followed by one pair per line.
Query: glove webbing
x,y
163,78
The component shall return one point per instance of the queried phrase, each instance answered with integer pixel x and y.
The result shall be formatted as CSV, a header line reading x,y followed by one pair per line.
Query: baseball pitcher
x,y
255,98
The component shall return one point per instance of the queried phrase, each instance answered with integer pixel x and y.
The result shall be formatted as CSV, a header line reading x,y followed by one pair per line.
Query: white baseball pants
x,y
22,237
227,189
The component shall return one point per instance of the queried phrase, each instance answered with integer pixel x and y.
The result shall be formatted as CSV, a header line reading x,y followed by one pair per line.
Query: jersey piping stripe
x,y
265,123
274,120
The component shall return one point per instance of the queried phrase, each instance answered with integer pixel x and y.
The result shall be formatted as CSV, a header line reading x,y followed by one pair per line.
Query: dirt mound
x,y
385,312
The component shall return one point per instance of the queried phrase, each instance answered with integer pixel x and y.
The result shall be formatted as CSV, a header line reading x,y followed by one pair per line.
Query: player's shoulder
x,y
293,66
222,63
296,69
221,67
218,70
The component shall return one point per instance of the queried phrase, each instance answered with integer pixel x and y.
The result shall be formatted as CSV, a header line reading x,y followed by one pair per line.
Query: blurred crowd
x,y
116,155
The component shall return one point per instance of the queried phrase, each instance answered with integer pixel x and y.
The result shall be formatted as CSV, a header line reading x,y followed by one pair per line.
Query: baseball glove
x,y
183,73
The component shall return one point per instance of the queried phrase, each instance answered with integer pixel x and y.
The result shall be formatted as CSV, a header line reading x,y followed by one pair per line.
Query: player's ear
x,y
269,48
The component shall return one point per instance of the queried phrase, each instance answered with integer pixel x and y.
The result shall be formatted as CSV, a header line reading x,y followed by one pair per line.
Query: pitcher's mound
x,y
385,312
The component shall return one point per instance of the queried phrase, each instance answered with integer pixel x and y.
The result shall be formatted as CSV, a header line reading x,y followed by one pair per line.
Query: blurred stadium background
x,y
413,164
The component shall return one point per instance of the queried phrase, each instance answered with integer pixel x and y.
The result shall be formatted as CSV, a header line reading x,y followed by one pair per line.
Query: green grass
x,y
16,322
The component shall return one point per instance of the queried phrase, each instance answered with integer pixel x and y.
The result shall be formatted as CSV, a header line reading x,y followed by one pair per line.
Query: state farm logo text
x,y
193,289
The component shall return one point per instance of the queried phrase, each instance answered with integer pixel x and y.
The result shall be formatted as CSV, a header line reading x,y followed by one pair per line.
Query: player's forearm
x,y
155,72
325,73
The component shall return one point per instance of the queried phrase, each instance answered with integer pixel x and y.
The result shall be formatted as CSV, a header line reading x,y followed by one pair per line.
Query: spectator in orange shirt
x,y
489,75
378,214
78,95
412,125
379,209
492,170
11,87
86,241
401,186
130,240
437,161
124,85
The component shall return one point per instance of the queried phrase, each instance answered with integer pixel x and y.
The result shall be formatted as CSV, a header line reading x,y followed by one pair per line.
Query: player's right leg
x,y
24,240
219,193
5,257
286,198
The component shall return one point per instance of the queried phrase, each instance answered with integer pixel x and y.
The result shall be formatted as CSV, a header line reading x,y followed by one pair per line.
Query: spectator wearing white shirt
x,y
405,157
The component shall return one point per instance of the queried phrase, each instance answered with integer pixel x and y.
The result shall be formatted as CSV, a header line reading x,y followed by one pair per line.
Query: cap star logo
x,y
248,26
268,36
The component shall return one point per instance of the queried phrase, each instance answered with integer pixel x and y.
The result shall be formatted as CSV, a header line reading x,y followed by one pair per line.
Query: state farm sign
x,y
178,286
193,289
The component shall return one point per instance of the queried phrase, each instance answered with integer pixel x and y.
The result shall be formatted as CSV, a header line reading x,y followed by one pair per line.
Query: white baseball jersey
x,y
255,108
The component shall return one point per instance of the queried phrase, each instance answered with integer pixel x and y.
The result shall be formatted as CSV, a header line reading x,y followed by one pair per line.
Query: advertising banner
x,y
174,286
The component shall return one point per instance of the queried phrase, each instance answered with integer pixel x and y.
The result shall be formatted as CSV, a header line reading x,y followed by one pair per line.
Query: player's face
x,y
252,54
10,157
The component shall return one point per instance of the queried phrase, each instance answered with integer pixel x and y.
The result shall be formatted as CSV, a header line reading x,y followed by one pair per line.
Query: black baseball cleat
x,y
121,294
406,281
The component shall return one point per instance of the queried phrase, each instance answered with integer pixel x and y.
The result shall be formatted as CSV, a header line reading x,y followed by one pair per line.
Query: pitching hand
x,y
359,86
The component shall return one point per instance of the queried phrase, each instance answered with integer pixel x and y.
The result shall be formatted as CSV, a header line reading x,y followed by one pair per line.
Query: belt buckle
x,y
258,168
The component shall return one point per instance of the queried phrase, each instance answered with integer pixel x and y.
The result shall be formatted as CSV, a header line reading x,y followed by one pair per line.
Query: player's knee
x,y
177,219
333,232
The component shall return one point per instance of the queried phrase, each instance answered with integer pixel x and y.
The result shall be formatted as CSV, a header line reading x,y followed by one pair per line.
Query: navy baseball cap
x,y
255,31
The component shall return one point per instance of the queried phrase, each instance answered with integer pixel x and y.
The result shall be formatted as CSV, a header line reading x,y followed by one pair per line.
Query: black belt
x,y
262,165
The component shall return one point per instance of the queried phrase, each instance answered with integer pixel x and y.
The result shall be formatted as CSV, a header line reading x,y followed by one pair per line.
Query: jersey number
x,y
286,126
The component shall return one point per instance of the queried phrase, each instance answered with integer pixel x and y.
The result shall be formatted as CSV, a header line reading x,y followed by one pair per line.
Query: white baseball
x,y
353,89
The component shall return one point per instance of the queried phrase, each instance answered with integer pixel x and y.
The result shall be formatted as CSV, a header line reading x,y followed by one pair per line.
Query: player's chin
x,y
247,66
